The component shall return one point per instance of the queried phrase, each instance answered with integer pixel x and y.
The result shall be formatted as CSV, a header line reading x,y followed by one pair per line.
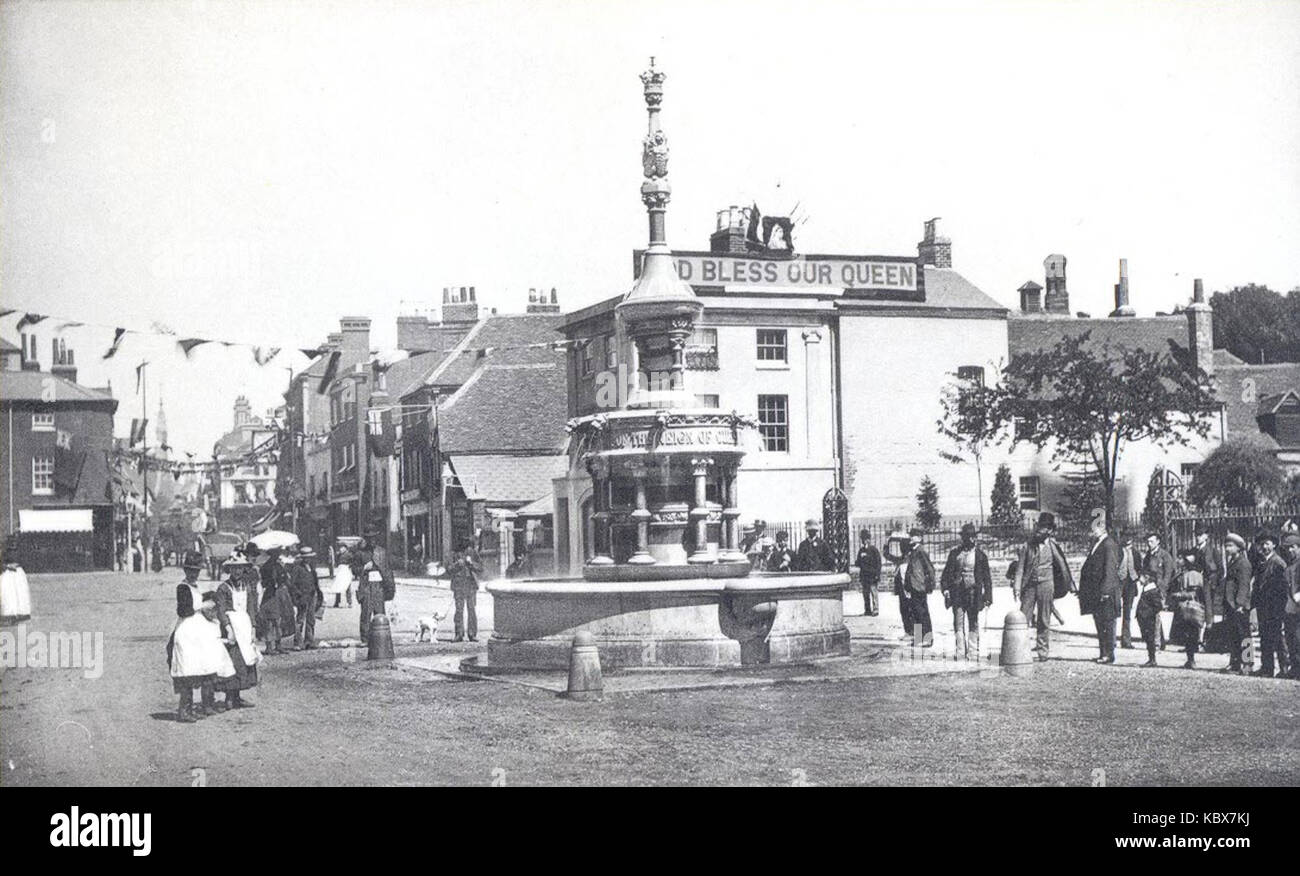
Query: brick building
x,y
56,434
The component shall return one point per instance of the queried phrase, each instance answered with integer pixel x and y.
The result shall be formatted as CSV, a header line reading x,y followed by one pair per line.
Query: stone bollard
x,y
379,638
584,669
1016,656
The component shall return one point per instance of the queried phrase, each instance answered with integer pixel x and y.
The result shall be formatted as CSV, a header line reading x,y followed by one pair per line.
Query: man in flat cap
x,y
1236,603
814,554
967,587
1041,572
1100,590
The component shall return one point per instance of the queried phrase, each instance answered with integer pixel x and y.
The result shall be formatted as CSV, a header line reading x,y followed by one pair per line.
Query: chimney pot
x,y
1122,307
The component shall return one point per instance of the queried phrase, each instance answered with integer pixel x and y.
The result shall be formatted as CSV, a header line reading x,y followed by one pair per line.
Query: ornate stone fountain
x,y
666,583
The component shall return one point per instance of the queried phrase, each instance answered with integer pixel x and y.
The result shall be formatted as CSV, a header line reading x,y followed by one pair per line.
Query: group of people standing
x,y
775,555
213,645
1210,592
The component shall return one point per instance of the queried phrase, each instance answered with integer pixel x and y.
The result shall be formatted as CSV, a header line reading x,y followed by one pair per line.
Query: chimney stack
x,y
459,306
933,250
1057,299
538,303
729,236
31,362
1031,300
1200,329
355,335
63,363
1122,307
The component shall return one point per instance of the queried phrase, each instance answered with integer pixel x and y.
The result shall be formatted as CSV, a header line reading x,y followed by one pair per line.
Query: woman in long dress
x,y
15,595
195,653
232,604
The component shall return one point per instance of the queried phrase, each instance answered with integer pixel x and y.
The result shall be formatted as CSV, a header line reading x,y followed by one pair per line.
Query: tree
x,y
965,424
927,504
1239,474
1082,493
1086,402
1256,324
1004,505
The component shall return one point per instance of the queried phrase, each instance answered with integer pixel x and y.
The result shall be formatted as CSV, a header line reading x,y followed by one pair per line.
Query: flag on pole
x,y
139,376
138,426
118,334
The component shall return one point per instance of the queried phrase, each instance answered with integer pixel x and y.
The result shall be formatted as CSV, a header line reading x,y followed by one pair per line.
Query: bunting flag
x,y
331,369
188,344
139,376
118,334
138,427
29,319
68,325
6,311
262,355
313,352
162,328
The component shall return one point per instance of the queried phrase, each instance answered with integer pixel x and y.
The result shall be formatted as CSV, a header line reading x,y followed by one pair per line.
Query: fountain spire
x,y
660,311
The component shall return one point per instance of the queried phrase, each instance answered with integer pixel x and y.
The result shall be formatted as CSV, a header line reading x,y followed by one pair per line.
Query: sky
x,y
252,171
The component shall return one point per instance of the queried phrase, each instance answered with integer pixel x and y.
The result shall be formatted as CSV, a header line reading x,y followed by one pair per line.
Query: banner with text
x,y
811,273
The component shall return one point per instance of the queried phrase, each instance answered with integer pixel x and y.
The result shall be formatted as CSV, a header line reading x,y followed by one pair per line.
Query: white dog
x,y
429,625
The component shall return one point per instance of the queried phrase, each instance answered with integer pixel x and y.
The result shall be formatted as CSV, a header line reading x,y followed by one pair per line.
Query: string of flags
x,y
262,353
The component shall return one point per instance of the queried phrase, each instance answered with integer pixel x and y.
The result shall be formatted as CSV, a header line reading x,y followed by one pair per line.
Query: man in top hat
x,y
967,589
1272,593
1100,591
1041,572
375,584
814,553
1236,603
869,563
781,557
304,588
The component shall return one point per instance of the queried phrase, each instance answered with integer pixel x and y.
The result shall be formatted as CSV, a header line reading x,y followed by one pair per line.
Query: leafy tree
x,y
1239,474
927,504
965,424
1005,502
1256,324
1083,492
1085,402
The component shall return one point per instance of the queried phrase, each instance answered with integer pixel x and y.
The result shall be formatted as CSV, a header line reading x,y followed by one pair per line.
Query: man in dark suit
x,y
1041,569
1271,595
1209,563
375,585
1236,603
1100,590
1130,570
814,554
868,563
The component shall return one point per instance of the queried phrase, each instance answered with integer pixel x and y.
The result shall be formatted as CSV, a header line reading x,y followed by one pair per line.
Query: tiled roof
x,y
516,407
948,289
1028,334
507,336
33,386
502,478
1243,388
7,346
407,375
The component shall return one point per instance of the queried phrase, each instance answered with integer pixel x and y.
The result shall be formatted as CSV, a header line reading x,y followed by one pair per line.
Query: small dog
x,y
429,625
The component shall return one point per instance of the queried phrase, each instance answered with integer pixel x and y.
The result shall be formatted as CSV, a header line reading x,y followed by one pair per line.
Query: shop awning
x,y
56,520
503,478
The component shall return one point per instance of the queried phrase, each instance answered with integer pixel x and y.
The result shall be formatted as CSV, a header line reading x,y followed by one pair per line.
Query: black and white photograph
x,y
499,394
